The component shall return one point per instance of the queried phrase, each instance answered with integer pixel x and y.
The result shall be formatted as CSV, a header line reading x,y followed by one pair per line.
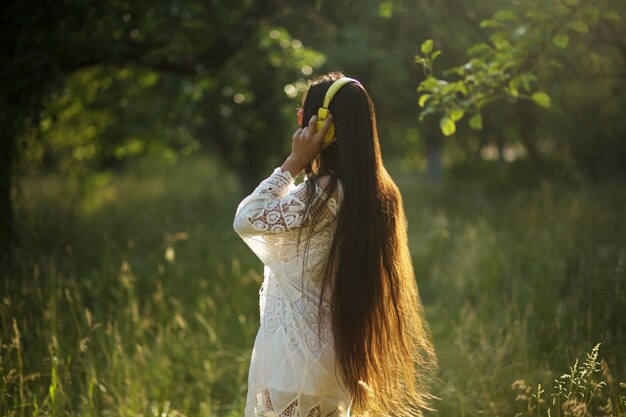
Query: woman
x,y
342,327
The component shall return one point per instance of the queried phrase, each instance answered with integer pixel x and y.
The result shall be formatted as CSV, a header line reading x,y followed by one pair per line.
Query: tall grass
x,y
129,297
520,279
132,296
586,390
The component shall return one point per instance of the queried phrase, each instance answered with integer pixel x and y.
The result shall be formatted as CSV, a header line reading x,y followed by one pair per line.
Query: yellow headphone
x,y
322,113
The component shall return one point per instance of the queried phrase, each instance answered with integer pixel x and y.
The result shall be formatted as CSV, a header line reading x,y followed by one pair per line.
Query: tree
x,y
521,43
46,43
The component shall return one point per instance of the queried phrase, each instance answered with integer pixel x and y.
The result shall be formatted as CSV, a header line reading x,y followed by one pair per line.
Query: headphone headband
x,y
322,112
334,87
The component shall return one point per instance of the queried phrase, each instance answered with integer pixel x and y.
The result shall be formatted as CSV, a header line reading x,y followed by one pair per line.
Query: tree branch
x,y
223,48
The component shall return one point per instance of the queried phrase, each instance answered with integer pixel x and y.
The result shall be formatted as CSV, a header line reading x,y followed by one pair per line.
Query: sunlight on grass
x,y
143,301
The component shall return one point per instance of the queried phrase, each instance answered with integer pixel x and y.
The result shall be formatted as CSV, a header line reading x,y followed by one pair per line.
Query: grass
x,y
132,296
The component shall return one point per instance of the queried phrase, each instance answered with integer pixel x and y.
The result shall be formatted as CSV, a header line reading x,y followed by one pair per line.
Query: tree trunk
x,y
7,152
433,155
526,123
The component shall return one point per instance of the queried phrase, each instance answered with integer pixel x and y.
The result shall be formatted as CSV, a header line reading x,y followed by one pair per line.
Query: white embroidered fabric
x,y
292,368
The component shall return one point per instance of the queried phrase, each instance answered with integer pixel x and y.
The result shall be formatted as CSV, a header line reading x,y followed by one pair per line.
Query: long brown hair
x,y
382,342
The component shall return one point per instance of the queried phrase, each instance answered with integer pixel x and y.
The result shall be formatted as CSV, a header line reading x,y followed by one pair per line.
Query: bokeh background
x,y
130,131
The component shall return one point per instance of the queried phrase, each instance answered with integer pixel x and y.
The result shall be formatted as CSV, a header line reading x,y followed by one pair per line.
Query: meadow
x,y
131,295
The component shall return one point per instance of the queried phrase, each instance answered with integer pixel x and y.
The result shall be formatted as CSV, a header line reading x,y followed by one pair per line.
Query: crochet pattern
x,y
292,369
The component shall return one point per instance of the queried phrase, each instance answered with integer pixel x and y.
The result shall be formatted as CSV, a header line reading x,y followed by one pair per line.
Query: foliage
x,y
121,303
517,277
108,115
32,40
588,390
507,63
138,316
129,78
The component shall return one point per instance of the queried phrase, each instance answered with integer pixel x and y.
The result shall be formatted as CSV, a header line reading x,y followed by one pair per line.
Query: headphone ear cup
x,y
330,134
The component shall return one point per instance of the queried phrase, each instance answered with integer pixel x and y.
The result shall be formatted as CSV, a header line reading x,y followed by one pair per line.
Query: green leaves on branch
x,y
578,26
429,57
541,99
518,42
447,126
385,9
427,46
456,114
561,40
476,121
505,15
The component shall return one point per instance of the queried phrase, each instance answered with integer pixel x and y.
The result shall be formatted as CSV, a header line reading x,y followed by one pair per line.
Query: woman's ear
x,y
315,165
300,112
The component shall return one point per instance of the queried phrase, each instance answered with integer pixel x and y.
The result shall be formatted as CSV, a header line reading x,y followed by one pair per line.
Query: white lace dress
x,y
292,370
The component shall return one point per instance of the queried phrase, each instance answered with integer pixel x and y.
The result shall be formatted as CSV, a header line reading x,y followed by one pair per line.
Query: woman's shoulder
x,y
324,182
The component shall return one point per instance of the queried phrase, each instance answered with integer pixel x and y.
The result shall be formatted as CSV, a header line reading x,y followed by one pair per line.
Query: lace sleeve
x,y
266,218
275,206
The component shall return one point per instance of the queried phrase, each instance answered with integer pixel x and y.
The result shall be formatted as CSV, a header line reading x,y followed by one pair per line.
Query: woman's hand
x,y
306,144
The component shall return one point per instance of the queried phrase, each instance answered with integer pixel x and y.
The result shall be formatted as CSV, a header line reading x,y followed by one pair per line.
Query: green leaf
x,y
435,55
541,99
422,99
578,26
504,15
612,17
501,44
477,64
428,84
447,126
459,70
490,23
385,9
476,121
457,87
500,40
478,49
427,46
456,114
527,79
561,40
